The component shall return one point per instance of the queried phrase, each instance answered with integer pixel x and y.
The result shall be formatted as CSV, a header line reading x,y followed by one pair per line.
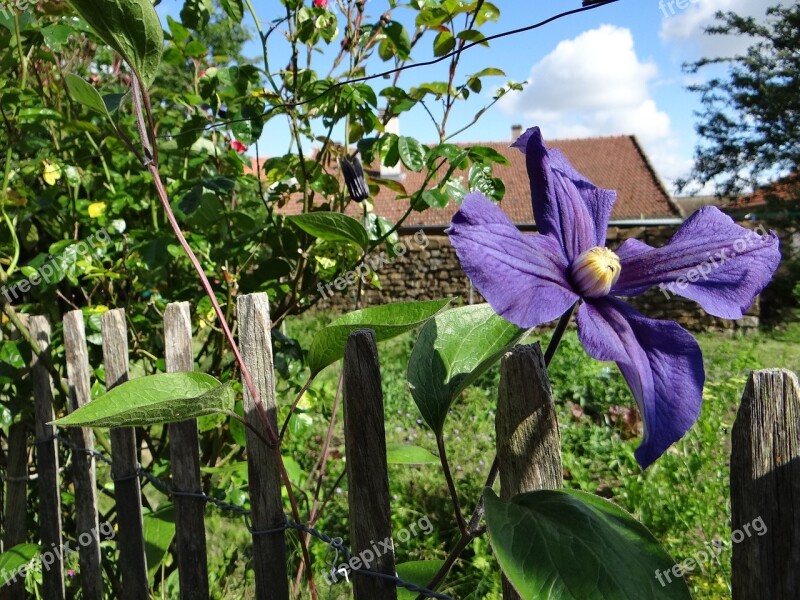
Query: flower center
x,y
595,272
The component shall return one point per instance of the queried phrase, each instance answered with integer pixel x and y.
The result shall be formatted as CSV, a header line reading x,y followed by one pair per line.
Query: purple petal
x,y
710,260
597,201
521,276
661,362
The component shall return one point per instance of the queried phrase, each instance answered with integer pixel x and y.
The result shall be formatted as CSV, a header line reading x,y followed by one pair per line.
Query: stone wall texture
x,y
429,269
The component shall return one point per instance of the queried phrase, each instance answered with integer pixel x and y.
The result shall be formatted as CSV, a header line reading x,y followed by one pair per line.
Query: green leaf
x,y
453,350
402,454
418,572
234,9
131,27
332,227
570,545
434,199
455,189
444,43
161,398
472,36
412,153
486,155
39,114
387,321
13,558
159,529
489,72
84,93
10,354
398,36
56,35
481,179
487,12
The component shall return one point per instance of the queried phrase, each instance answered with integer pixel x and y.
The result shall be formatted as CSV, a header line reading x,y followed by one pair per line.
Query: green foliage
x,y
16,556
452,351
162,398
131,27
332,227
387,321
555,544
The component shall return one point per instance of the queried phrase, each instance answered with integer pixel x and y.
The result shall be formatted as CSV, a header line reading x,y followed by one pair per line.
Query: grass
x,y
683,498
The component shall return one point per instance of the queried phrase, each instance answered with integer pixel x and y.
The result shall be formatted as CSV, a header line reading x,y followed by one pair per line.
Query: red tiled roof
x,y
616,162
786,189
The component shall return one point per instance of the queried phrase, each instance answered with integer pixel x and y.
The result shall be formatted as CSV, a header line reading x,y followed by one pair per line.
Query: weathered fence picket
x,y
83,467
367,469
528,439
184,454
269,549
47,465
765,466
124,449
765,485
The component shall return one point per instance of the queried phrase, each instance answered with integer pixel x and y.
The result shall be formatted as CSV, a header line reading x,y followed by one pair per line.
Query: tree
x,y
750,122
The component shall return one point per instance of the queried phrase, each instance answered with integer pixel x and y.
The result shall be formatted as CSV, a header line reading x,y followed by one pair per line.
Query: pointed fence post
x,y
528,438
269,550
125,467
184,452
83,467
47,463
765,487
367,469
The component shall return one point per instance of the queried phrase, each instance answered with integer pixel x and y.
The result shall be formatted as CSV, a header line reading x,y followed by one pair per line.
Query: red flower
x,y
321,3
238,146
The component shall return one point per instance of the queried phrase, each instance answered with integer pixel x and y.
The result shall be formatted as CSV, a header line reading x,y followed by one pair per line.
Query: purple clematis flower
x,y
534,279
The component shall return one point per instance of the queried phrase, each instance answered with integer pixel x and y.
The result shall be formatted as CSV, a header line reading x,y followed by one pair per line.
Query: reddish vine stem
x,y
141,100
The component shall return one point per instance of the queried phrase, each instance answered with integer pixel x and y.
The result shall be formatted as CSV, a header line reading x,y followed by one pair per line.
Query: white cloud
x,y
592,85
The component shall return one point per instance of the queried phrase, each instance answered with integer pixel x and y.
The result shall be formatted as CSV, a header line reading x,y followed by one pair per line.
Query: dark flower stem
x,y
451,486
474,529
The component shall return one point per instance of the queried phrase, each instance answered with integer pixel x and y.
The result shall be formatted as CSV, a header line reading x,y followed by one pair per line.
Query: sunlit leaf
x,y
453,350
570,545
387,321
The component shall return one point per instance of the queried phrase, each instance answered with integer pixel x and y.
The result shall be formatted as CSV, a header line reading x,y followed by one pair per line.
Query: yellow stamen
x,y
595,272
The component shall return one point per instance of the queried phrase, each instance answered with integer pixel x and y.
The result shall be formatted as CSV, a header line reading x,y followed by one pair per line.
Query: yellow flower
x,y
97,209
51,172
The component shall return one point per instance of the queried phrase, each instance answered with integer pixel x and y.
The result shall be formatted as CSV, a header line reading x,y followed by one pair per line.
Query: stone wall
x,y
429,269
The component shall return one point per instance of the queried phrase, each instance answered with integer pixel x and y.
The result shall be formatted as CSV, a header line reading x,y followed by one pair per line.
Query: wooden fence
x,y
765,466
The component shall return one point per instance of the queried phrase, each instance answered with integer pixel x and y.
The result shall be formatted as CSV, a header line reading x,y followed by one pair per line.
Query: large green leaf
x,y
402,454
418,572
387,321
412,153
159,529
161,398
13,558
131,27
570,545
453,350
332,227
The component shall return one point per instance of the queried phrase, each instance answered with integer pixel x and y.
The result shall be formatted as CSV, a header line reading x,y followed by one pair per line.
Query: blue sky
x,y
609,71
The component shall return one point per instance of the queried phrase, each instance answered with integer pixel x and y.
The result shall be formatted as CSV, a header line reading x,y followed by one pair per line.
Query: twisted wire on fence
x,y
335,543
